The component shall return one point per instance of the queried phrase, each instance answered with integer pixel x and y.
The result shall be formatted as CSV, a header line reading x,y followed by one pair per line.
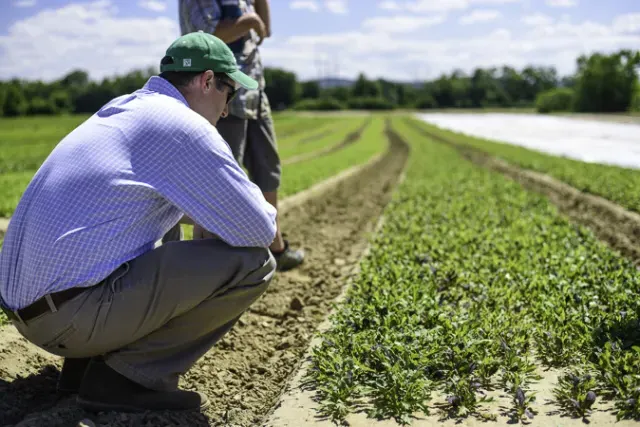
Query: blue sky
x,y
400,40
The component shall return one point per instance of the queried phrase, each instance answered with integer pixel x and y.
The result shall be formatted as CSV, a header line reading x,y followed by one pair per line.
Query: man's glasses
x,y
221,83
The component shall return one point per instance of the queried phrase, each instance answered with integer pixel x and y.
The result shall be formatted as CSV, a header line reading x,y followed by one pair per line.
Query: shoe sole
x,y
93,406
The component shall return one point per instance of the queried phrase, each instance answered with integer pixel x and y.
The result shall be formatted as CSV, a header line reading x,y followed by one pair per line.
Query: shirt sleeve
x,y
208,185
196,15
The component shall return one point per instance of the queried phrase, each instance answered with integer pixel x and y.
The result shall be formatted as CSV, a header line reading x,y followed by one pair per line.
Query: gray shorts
x,y
253,143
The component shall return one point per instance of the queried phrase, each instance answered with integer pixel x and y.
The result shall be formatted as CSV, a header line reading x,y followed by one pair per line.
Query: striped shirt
x,y
116,184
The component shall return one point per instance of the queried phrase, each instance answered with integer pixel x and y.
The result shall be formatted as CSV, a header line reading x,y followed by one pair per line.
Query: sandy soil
x,y
244,375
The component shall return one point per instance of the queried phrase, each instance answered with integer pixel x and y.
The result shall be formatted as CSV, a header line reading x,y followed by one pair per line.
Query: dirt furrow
x,y
245,373
348,140
609,221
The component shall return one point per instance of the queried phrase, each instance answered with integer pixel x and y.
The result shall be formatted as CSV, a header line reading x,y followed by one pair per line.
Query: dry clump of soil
x,y
610,222
245,373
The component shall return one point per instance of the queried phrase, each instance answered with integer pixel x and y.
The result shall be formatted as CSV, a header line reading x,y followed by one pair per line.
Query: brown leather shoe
x,y
71,375
104,389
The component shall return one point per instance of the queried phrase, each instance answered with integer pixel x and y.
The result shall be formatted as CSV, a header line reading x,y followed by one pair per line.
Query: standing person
x,y
79,275
249,128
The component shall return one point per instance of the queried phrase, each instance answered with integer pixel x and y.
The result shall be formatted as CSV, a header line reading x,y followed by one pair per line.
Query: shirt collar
x,y
159,85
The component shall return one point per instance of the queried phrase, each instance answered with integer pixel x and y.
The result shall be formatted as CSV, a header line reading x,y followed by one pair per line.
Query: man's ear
x,y
207,81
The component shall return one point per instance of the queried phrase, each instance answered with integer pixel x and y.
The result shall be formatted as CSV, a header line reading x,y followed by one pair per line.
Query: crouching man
x,y
79,274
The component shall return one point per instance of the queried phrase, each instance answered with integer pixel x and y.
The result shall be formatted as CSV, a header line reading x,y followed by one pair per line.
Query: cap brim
x,y
243,80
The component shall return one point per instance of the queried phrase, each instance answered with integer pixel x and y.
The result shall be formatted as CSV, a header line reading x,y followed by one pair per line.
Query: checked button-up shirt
x,y
115,185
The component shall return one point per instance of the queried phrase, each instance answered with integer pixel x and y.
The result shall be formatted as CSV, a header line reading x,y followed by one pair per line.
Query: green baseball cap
x,y
200,51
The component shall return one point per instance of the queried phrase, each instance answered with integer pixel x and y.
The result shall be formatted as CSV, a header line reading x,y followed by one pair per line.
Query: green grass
x,y
471,284
288,126
319,138
617,184
300,176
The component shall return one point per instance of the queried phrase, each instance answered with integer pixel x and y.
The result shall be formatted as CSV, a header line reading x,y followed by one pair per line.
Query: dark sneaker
x,y
104,389
71,375
288,258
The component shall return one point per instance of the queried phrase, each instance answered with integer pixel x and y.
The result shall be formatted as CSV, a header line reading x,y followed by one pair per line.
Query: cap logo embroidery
x,y
186,62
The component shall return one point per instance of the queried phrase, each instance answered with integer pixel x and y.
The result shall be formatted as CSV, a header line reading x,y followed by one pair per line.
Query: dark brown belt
x,y
41,306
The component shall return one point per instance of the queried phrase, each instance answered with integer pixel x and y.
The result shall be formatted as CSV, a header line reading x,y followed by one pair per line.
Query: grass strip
x,y
300,176
618,184
334,137
472,284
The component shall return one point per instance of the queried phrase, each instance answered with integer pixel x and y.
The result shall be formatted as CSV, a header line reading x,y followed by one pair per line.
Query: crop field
x,y
615,183
449,292
475,286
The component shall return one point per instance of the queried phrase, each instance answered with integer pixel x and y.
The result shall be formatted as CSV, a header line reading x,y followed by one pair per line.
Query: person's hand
x,y
260,28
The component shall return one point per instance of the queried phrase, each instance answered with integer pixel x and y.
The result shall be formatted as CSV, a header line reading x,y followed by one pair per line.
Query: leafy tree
x,y
281,87
340,93
606,83
365,88
61,100
41,106
310,90
559,99
15,103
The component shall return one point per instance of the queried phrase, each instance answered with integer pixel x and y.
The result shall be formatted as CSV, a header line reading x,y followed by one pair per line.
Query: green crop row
x,y
300,176
320,138
287,126
472,285
617,184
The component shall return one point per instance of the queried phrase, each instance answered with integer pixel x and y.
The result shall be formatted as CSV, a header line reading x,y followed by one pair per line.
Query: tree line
x,y
602,83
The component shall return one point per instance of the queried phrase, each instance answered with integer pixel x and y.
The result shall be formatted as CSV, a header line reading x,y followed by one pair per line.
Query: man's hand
x,y
260,28
263,11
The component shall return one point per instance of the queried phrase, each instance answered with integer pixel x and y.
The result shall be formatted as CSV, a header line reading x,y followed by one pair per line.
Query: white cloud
x,y
24,3
537,20
336,6
562,3
379,51
90,36
629,23
389,5
450,5
401,24
310,5
153,5
480,16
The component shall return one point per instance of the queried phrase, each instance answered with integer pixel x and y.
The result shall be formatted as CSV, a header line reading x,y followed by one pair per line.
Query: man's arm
x,y
263,11
207,184
233,24
230,30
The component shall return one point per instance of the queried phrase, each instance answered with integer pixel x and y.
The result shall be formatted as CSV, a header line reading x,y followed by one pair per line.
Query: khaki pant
x,y
156,315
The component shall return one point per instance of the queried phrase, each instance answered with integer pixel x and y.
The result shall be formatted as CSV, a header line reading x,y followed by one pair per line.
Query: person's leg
x,y
153,320
262,160
234,131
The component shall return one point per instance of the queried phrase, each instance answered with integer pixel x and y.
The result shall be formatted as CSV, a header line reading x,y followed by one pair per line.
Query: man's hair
x,y
180,79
